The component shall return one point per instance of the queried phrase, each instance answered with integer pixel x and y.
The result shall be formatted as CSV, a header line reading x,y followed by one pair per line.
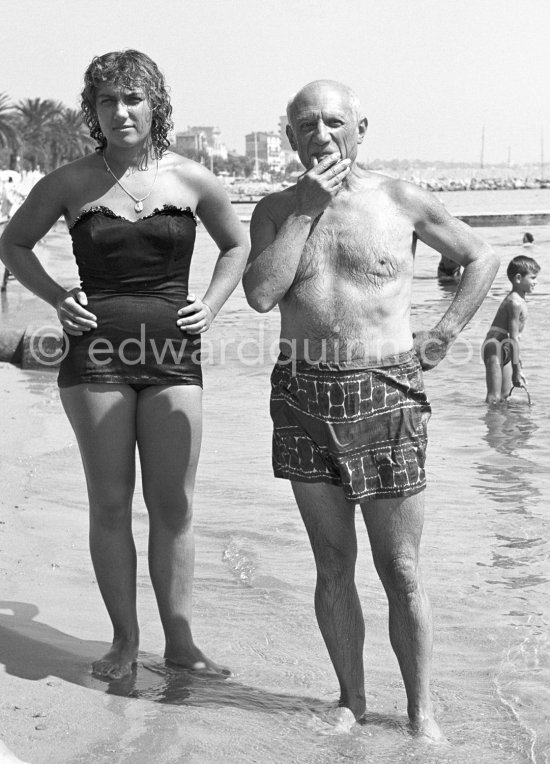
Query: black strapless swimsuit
x,y
135,275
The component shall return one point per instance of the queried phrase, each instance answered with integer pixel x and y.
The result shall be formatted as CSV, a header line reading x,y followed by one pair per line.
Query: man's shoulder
x,y
284,197
378,191
276,206
400,192
417,203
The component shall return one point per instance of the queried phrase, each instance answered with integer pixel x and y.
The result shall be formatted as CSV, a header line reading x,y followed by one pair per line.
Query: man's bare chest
x,y
363,248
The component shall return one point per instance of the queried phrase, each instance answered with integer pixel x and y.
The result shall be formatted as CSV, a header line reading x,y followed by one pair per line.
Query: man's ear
x,y
362,129
291,138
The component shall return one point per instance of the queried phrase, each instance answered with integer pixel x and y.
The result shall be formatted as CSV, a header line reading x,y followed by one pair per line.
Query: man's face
x,y
323,122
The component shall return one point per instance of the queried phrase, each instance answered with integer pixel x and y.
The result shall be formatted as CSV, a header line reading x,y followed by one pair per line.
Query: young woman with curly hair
x,y
131,374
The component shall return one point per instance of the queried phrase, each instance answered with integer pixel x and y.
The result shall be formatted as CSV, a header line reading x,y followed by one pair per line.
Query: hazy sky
x,y
430,73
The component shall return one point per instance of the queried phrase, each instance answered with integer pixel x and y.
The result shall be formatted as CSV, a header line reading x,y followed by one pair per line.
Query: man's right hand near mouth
x,y
317,187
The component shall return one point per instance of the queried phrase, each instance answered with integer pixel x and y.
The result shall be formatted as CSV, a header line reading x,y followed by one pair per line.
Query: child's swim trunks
x,y
363,429
500,344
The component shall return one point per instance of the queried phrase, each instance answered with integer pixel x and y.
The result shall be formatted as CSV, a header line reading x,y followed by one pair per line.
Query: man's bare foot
x,y
118,662
194,660
341,719
427,729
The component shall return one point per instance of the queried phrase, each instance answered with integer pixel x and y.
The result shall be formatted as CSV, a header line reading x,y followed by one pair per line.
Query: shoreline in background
x,y
250,191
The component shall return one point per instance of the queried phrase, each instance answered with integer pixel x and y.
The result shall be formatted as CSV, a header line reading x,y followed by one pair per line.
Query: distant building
x,y
288,154
265,147
202,140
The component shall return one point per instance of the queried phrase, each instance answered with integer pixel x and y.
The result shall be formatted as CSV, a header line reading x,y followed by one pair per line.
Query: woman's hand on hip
x,y
74,317
196,317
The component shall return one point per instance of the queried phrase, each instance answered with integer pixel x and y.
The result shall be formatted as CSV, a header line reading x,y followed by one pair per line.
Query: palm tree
x,y
69,138
8,132
37,118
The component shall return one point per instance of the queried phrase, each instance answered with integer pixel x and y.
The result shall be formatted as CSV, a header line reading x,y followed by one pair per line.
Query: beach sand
x,y
43,556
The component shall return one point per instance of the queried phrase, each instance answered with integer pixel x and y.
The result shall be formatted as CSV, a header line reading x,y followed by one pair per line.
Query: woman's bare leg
x,y
169,431
103,418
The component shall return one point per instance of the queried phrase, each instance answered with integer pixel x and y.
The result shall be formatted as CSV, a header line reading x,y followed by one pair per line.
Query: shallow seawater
x,y
485,555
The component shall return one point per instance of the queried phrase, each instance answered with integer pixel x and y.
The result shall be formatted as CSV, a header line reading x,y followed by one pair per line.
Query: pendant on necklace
x,y
138,206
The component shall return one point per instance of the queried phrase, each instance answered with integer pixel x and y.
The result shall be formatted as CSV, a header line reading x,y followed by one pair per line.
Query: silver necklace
x,y
138,206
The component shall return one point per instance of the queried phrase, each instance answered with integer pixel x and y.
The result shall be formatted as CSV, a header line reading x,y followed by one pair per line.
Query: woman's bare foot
x,y
194,660
341,719
118,662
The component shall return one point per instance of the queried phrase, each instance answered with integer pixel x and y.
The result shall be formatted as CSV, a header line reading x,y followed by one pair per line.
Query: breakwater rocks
x,y
34,347
480,184
253,192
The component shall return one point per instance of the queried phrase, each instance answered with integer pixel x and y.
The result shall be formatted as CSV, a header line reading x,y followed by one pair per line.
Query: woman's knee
x,y
110,508
174,511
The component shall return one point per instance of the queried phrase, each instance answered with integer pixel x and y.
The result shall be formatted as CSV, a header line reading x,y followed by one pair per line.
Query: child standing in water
x,y
501,346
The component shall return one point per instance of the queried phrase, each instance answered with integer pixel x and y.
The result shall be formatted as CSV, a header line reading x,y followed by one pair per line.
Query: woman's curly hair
x,y
128,68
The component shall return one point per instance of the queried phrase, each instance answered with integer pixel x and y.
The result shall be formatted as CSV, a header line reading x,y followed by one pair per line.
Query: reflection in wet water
x,y
509,427
510,478
153,679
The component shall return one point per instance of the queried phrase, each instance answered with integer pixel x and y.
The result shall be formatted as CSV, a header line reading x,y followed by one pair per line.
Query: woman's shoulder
x,y
186,168
63,182
73,173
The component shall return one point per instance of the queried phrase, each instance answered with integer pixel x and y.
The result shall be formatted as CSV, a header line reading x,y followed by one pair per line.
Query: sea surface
x,y
485,551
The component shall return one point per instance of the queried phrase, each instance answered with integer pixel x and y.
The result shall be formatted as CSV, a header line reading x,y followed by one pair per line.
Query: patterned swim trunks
x,y
362,429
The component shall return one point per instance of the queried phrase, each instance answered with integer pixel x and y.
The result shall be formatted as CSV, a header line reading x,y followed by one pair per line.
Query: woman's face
x,y
124,115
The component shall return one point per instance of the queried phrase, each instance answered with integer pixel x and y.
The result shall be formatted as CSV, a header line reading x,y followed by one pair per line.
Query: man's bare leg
x,y
330,523
395,529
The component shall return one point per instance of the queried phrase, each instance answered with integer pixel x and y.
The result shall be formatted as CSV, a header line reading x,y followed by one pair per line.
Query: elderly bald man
x,y
336,252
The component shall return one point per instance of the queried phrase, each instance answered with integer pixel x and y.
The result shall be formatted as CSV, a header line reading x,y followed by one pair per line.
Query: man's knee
x,y
334,564
399,574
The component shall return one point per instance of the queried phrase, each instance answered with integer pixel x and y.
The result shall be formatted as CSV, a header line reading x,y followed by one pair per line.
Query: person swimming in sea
x,y
448,270
503,369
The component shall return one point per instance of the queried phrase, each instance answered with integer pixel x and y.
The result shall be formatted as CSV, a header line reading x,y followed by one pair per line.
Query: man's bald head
x,y
314,91
325,117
